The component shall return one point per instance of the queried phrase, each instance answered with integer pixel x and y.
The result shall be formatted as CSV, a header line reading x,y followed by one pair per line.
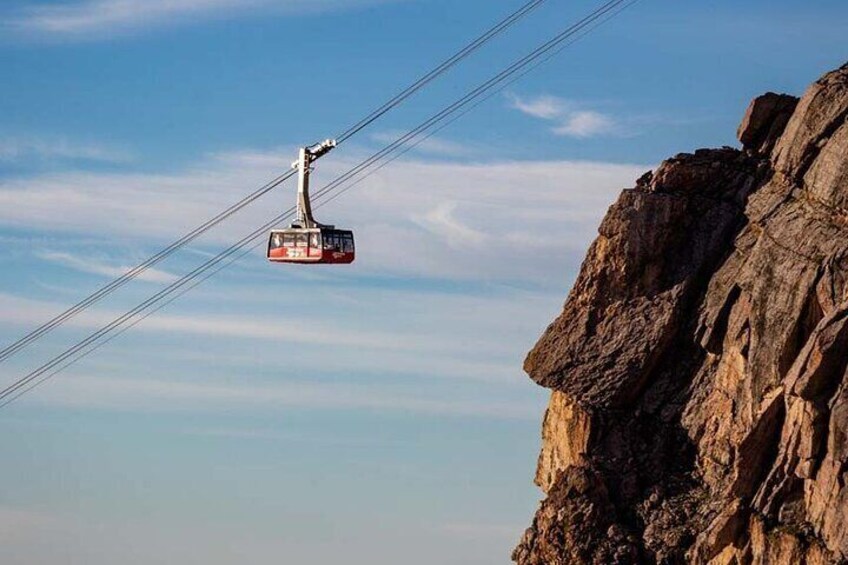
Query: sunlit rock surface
x,y
699,369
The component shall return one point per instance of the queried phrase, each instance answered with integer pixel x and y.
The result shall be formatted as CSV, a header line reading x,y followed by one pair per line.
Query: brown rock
x,y
700,365
565,439
765,120
576,524
628,303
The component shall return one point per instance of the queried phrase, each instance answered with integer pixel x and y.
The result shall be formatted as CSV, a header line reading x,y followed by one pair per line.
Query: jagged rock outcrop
x,y
699,369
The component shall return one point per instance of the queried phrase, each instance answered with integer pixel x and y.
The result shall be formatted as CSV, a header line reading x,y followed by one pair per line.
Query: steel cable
x,y
166,252
59,363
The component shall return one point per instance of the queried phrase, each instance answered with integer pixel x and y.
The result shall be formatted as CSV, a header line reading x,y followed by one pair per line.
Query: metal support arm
x,y
303,164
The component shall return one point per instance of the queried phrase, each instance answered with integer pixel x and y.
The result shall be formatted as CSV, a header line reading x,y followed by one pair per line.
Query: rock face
x,y
699,369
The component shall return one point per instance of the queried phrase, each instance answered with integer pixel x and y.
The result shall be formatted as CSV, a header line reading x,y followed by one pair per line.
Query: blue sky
x,y
371,414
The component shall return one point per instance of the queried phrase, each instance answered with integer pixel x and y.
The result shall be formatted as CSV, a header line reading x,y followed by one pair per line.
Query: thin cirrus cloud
x,y
585,123
387,347
29,148
152,395
389,335
441,220
487,221
90,19
544,107
433,145
453,220
98,268
452,331
17,310
568,118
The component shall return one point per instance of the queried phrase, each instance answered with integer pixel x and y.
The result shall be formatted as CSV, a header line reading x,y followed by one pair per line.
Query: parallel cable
x,y
488,96
156,258
33,384
70,356
444,66
500,78
124,318
117,283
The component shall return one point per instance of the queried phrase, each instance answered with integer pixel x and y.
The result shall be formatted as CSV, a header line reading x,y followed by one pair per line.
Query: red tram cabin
x,y
306,241
311,245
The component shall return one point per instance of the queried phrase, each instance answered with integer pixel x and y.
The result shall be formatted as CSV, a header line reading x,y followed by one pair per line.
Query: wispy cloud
x,y
442,220
381,332
155,395
585,124
570,119
16,149
429,218
544,107
431,146
450,331
131,204
460,220
97,268
87,16
92,19
20,310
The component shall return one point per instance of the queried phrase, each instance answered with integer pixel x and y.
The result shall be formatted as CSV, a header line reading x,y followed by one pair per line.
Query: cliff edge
x,y
699,370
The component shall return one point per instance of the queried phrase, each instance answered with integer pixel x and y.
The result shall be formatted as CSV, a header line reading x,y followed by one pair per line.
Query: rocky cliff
x,y
699,370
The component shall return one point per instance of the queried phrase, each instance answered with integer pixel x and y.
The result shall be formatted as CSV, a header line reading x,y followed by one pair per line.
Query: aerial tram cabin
x,y
307,241
317,245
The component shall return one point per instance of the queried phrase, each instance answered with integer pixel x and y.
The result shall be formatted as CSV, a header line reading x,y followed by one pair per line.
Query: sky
x,y
369,414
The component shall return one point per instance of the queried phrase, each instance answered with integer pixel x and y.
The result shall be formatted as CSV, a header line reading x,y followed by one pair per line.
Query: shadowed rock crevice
x,y
811,315
699,369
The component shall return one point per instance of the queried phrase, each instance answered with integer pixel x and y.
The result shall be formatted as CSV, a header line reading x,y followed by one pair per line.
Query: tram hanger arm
x,y
306,157
318,150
